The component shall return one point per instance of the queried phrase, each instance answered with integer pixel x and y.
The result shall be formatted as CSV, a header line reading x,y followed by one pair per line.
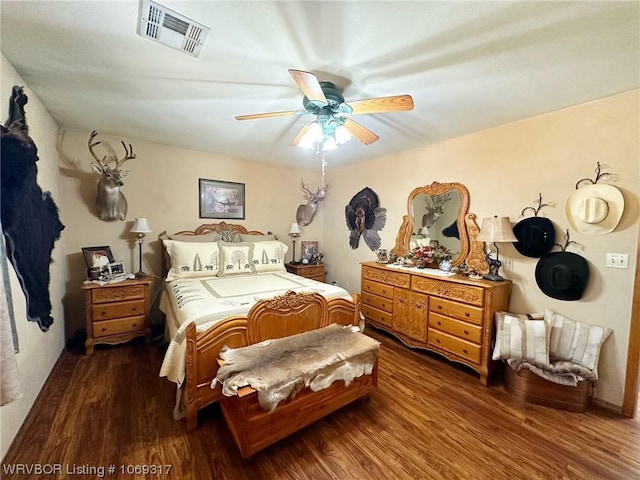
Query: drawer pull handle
x,y
439,322
439,307
134,324
464,350
466,314
104,329
466,332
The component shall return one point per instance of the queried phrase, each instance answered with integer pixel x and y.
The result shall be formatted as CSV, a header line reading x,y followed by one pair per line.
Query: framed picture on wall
x,y
220,199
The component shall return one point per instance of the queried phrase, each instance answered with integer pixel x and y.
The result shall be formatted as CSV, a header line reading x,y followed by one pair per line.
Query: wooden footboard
x,y
278,317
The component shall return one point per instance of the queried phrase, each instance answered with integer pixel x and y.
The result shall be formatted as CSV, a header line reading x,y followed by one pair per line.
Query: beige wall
x,y
38,350
504,169
163,187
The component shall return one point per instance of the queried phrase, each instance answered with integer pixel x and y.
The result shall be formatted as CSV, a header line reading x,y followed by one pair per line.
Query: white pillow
x,y
192,259
522,336
268,256
236,258
576,341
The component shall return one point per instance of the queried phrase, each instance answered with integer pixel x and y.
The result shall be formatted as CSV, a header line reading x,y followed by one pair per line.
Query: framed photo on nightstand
x,y
309,250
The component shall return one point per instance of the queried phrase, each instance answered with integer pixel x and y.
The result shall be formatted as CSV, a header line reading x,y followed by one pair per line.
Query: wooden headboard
x,y
202,230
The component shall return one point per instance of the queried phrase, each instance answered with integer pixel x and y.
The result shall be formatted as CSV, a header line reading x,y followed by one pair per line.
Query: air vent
x,y
169,28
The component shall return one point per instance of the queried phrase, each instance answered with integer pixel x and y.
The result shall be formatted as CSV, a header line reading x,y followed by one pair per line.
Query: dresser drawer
x,y
384,275
318,278
381,303
117,294
471,333
117,310
122,325
457,310
449,289
379,289
378,316
454,345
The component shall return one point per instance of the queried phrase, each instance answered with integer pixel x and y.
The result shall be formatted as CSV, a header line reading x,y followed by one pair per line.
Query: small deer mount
x,y
305,213
434,208
110,201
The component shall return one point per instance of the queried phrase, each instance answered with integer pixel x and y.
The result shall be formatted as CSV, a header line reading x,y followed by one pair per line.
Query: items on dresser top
x,y
452,315
116,313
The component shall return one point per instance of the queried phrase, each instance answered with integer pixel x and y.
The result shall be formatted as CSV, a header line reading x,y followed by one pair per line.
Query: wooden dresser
x,y
314,272
116,312
452,316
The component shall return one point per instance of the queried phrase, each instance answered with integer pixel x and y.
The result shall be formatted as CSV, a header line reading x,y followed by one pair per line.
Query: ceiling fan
x,y
332,125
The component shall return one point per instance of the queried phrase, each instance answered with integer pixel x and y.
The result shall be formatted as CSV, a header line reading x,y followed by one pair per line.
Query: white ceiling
x,y
467,65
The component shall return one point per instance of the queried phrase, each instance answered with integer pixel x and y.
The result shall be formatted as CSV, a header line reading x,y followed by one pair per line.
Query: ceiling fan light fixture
x,y
329,144
343,135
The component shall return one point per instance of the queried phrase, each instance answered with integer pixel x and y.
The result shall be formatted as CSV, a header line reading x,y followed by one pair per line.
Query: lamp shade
x,y
140,225
295,229
496,229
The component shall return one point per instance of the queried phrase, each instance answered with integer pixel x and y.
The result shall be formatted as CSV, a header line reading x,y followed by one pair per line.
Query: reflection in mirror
x,y
443,208
436,219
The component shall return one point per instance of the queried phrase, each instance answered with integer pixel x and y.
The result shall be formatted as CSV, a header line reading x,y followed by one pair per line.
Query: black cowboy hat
x,y
535,236
562,275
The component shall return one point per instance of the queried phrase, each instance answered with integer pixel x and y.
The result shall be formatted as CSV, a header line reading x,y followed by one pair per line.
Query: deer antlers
x,y
322,189
128,153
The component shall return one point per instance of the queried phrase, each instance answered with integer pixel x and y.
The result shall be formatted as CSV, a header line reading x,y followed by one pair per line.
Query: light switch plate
x,y
617,260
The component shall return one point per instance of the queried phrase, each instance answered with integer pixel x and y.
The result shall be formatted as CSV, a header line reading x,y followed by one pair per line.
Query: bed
x,y
219,278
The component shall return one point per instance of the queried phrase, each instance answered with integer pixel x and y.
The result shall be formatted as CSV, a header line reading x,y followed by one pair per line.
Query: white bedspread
x,y
208,300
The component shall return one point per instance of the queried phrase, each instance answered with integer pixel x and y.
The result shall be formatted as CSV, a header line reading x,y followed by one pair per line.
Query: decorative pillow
x,y
576,341
256,238
207,237
522,336
236,258
192,259
229,236
269,256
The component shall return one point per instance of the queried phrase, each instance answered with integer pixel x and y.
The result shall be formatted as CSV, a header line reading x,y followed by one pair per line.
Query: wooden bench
x,y
253,428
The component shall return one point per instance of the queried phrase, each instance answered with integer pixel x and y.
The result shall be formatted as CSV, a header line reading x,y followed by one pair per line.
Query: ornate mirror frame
x,y
472,252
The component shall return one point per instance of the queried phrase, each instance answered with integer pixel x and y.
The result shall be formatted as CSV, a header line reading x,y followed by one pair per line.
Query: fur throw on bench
x,y
280,368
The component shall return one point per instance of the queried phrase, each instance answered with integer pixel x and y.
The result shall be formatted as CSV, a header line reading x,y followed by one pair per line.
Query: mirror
x,y
443,208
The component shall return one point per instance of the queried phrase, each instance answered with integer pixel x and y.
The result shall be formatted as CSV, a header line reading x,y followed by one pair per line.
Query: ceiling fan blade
x,y
309,85
253,116
296,140
364,135
395,103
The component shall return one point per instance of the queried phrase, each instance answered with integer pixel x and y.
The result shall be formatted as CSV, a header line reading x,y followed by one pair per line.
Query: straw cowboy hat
x,y
535,236
562,275
595,209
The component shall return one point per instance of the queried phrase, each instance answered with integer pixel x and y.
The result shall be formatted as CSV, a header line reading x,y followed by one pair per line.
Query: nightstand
x,y
314,272
116,312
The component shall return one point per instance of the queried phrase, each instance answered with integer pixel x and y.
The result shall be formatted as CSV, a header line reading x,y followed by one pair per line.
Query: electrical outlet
x,y
617,260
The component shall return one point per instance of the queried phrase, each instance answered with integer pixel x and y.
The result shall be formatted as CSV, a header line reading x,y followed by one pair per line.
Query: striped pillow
x,y
577,342
522,336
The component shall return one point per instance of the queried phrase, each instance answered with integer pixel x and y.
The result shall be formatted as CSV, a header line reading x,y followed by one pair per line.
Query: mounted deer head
x,y
305,213
110,201
435,208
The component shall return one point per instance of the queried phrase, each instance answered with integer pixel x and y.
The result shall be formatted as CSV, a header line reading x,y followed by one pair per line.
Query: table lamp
x,y
495,230
294,233
140,228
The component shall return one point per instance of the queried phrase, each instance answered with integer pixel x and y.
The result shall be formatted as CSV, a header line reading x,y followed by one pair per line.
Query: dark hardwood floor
x,y
427,420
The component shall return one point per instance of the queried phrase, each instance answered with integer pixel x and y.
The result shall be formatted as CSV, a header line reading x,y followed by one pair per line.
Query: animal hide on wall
x,y
29,216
